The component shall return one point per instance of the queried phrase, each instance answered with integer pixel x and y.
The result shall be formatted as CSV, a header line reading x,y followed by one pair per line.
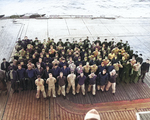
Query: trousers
x,y
82,88
93,90
61,89
113,85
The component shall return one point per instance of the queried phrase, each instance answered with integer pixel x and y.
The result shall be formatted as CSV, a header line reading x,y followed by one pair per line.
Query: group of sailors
x,y
62,65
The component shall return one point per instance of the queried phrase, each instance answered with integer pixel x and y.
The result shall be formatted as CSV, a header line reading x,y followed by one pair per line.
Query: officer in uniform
x,y
117,67
61,84
92,83
94,68
135,75
40,87
144,69
71,82
81,79
51,85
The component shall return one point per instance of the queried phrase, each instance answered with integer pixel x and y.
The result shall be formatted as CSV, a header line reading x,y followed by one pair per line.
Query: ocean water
x,y
115,8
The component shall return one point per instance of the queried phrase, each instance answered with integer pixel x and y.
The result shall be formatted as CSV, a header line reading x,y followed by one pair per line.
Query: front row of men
x,y
104,81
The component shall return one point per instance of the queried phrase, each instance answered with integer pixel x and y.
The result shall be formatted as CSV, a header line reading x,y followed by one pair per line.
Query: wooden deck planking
x,y
133,90
31,96
123,92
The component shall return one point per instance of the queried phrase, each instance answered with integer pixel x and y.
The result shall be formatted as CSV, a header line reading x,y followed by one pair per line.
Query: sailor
x,y
14,80
94,68
51,85
102,80
135,70
92,83
60,42
40,87
79,69
144,69
139,59
21,72
112,81
72,67
81,83
71,82
30,75
117,67
61,85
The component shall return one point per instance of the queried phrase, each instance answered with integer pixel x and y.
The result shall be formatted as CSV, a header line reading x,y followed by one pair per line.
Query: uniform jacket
x,y
7,65
21,73
102,78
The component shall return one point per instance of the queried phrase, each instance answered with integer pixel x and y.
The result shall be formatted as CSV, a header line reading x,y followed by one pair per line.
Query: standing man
x,y
112,81
51,85
13,78
102,80
92,83
4,66
81,79
61,85
40,87
39,70
56,71
144,69
71,82
21,76
30,75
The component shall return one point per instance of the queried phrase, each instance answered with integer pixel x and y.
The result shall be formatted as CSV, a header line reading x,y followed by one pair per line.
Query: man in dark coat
x,y
4,66
81,83
92,83
56,70
65,70
61,83
139,59
3,85
144,69
39,70
102,80
31,76
14,80
21,72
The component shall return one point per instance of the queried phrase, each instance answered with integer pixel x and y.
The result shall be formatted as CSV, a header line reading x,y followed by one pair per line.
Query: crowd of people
x,y
62,65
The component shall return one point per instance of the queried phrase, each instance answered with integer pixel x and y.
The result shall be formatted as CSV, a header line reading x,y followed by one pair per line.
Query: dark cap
x,y
4,59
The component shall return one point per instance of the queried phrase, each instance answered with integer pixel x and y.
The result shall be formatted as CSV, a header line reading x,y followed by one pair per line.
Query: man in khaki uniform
x,y
40,87
51,85
135,72
94,68
86,69
71,82
111,55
